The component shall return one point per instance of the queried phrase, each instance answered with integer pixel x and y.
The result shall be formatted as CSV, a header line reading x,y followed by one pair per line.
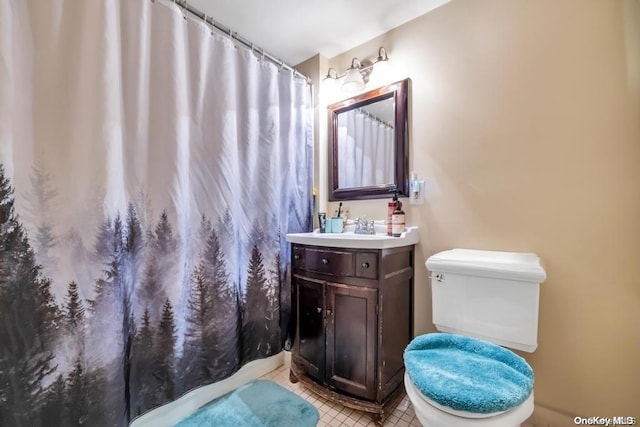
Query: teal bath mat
x,y
260,403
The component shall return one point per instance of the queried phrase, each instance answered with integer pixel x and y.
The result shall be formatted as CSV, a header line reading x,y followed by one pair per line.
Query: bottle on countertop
x,y
322,218
397,221
390,209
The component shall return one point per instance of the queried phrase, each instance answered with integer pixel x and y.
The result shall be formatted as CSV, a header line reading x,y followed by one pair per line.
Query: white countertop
x,y
349,239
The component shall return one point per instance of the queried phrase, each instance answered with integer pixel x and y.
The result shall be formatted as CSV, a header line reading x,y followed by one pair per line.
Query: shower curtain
x,y
368,144
149,171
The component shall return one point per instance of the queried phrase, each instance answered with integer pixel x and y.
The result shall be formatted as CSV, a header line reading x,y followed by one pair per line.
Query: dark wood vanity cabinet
x,y
354,318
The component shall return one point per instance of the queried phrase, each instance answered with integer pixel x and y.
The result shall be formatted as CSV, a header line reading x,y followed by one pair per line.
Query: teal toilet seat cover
x,y
467,374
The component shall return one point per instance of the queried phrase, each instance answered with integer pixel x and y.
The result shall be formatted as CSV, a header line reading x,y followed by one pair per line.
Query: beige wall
x,y
525,121
312,68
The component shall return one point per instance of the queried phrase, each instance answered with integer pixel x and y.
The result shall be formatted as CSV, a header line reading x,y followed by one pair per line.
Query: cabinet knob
x,y
329,312
325,261
319,310
296,257
365,265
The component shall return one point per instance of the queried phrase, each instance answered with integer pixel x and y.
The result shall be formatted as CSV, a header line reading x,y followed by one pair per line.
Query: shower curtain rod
x,y
234,36
374,117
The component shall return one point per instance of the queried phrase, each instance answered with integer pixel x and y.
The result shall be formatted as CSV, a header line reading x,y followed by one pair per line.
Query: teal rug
x,y
260,403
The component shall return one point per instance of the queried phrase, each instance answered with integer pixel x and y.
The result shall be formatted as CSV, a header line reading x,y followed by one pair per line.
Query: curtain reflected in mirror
x,y
366,135
368,144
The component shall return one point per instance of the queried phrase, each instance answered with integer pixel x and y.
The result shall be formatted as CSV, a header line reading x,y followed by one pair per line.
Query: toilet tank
x,y
488,295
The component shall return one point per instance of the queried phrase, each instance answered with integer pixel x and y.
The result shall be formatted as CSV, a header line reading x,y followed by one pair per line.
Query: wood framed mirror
x,y
369,144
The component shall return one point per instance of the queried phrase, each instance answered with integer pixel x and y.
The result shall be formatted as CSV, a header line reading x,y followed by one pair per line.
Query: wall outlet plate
x,y
417,197
344,212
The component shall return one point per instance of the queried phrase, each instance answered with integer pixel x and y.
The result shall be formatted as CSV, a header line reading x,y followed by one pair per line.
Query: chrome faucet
x,y
364,227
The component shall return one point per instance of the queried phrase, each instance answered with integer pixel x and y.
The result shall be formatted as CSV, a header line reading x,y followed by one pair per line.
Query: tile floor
x,y
335,415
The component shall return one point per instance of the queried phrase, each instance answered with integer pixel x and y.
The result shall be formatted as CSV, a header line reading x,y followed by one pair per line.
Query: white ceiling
x,y
295,30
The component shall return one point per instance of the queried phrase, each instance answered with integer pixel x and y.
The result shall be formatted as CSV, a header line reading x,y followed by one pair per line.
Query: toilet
x,y
484,302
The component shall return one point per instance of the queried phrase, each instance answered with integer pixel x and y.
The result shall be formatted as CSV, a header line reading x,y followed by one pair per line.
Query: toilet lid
x,y
467,374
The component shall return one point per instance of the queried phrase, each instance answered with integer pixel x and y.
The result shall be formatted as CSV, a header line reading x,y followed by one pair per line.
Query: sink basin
x,y
348,239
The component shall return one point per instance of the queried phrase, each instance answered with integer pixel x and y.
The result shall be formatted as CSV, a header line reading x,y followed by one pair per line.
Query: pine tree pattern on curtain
x,y
142,249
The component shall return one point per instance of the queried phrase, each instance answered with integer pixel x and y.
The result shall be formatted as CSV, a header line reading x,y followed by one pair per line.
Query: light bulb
x,y
353,82
381,72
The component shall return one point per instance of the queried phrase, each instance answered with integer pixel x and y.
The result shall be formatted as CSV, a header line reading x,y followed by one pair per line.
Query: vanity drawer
x,y
367,265
336,263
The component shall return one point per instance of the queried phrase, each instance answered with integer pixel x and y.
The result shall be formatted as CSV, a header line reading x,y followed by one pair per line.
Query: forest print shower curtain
x,y
149,171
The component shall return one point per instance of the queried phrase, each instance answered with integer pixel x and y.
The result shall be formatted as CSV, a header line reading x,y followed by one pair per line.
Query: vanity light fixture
x,y
357,75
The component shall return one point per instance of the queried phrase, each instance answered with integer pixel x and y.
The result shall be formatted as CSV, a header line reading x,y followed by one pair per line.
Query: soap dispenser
x,y
397,221
391,209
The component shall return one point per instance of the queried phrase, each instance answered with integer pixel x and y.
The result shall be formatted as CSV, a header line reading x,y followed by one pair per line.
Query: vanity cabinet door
x,y
311,336
351,339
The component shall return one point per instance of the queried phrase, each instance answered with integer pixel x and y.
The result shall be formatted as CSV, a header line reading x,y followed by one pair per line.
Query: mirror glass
x,y
368,144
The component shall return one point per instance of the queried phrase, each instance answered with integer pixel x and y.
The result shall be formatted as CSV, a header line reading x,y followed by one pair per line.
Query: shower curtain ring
x,y
183,6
